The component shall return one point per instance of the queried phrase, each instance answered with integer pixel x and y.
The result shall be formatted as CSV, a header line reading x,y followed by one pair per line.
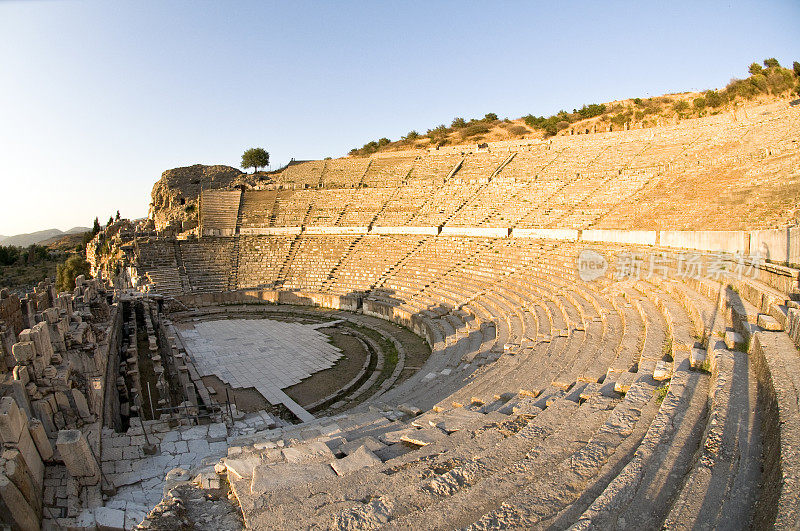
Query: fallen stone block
x,y
624,382
23,352
12,421
109,519
732,339
393,437
39,436
662,371
697,357
767,322
458,420
423,437
17,513
315,451
81,404
361,458
242,467
371,443
409,409
78,457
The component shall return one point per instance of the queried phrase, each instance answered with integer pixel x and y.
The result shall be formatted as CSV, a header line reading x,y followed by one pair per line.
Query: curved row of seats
x,y
546,401
616,180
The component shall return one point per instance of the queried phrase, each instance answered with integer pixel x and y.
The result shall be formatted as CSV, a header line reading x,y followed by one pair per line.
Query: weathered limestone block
x,y
44,346
24,351
20,395
18,472
107,518
63,402
361,458
78,457
662,371
39,436
81,404
12,421
697,357
315,451
44,413
767,322
14,509
14,434
20,373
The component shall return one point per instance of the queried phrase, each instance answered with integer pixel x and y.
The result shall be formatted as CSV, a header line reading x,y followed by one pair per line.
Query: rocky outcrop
x,y
175,195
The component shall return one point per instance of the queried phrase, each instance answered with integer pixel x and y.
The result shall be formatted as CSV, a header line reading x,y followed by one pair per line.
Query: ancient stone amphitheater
x,y
592,331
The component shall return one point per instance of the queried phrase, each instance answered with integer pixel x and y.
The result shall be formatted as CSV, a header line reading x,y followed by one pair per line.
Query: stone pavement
x,y
139,478
262,353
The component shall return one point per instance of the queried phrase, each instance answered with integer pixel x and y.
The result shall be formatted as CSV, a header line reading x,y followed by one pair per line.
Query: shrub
x,y
637,101
517,130
440,129
490,117
681,106
772,63
592,110
383,142
474,130
458,123
780,80
759,81
412,135
67,272
714,98
755,69
796,67
699,103
661,392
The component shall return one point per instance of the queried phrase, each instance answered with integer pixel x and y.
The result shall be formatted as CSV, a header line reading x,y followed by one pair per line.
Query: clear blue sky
x,y
99,98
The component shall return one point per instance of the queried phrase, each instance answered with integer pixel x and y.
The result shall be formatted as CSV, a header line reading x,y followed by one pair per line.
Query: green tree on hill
x,y
255,158
67,272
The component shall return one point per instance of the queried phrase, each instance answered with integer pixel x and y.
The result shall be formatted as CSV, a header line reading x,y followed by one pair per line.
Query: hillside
x,y
764,84
23,240
65,242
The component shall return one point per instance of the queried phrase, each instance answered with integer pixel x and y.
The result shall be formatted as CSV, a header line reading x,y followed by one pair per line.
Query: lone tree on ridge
x,y
255,158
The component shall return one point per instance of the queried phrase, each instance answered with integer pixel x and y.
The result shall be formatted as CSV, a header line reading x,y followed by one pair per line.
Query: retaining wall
x,y
777,245
547,234
636,237
728,241
270,231
477,232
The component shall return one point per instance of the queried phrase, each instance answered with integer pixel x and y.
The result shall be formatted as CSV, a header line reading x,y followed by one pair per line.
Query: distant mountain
x,y
23,240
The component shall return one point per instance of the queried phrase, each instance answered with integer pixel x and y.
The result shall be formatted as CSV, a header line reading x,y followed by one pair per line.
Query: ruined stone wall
x,y
175,195
11,311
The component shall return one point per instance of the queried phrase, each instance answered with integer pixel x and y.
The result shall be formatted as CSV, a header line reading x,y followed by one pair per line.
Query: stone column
x,y
18,472
39,436
14,434
78,457
14,509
